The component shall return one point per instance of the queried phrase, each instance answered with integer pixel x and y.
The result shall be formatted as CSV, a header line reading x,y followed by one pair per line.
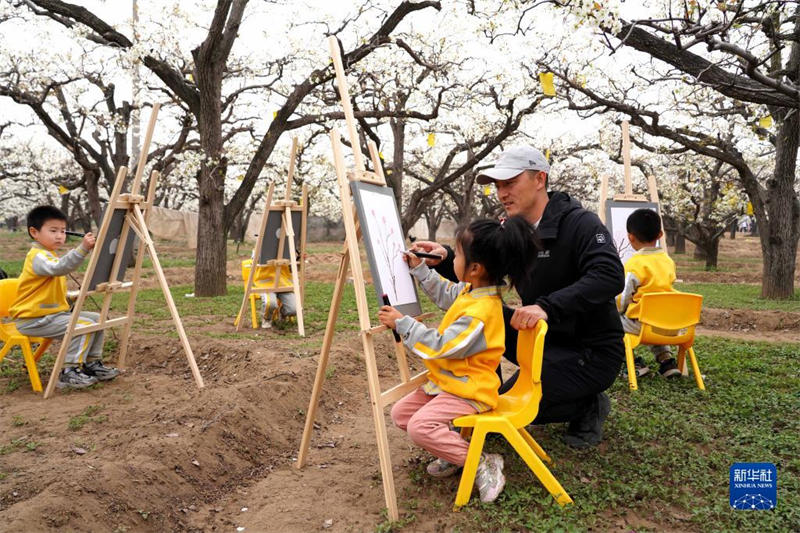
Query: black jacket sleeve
x,y
446,268
601,276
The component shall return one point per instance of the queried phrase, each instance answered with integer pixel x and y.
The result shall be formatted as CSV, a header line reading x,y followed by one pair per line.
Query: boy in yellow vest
x,y
650,269
41,308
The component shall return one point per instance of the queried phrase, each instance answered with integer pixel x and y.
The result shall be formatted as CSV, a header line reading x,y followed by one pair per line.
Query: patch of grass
x,y
18,420
330,371
389,526
665,460
88,415
738,296
18,444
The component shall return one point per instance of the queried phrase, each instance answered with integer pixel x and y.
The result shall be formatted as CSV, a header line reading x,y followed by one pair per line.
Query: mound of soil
x,y
757,325
151,452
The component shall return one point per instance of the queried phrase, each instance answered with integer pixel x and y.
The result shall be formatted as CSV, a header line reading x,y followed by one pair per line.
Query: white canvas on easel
x,y
133,210
276,247
379,399
614,213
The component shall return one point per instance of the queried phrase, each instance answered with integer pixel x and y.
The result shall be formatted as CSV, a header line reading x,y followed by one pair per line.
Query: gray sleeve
x,y
631,284
441,291
47,264
460,340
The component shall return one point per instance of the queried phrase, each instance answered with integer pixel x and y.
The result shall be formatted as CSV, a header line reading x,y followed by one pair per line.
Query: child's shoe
x,y
490,478
441,468
669,368
74,378
640,367
98,370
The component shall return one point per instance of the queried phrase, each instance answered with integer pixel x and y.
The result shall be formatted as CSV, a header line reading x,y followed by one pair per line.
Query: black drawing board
x,y
617,213
383,240
269,243
110,248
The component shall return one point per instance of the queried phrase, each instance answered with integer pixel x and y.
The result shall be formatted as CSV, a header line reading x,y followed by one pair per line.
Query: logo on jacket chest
x,y
543,254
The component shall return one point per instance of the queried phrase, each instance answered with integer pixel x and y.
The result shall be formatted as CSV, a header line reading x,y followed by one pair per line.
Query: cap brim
x,y
493,174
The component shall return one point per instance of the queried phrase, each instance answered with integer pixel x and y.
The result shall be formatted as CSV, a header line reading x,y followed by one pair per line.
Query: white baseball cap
x,y
513,162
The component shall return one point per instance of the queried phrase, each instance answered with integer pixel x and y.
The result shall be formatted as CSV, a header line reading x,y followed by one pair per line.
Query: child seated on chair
x,y
277,304
41,308
463,353
650,269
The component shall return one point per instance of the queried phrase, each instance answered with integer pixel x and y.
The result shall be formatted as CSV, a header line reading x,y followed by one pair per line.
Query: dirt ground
x,y
151,452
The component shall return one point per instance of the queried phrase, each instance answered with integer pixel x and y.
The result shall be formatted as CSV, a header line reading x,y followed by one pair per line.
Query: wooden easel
x,y
350,254
285,207
138,210
628,195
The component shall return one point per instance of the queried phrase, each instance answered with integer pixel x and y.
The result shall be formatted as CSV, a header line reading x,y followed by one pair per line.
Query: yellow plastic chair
x,y
10,337
516,409
668,318
247,265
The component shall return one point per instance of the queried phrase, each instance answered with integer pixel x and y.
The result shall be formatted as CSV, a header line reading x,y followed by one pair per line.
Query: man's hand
x,y
88,242
388,316
432,248
526,317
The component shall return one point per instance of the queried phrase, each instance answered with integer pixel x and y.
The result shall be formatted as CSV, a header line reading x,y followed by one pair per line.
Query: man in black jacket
x,y
572,286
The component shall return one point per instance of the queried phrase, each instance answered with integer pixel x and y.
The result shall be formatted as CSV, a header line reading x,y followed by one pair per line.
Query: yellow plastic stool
x,y
667,318
247,264
516,409
11,337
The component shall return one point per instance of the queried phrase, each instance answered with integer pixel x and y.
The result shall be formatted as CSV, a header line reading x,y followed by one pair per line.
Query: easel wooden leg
x,y
380,426
322,365
168,297
287,223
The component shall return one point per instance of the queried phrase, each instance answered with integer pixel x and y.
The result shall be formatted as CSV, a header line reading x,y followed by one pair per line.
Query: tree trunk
x,y
733,229
670,234
432,228
93,196
680,243
712,252
210,267
700,253
781,232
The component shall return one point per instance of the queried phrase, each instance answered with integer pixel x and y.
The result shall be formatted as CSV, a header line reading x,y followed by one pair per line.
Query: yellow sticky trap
x,y
380,154
190,77
546,79
240,177
749,208
274,115
547,155
765,122
431,139
62,190
487,190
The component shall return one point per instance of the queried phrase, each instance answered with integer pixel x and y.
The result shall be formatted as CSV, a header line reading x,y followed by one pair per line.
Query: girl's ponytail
x,y
519,245
506,248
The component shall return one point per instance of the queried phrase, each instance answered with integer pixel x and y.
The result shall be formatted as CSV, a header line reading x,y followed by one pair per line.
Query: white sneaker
x,y
266,324
489,478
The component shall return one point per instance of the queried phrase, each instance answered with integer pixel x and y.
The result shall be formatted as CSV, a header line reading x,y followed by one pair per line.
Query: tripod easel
x,y
286,235
351,259
133,209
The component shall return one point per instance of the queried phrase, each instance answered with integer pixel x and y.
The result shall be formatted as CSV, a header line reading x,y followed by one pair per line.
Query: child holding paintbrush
x,y
41,309
463,353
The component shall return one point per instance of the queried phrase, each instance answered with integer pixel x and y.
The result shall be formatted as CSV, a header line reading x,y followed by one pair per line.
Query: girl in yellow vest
x,y
463,353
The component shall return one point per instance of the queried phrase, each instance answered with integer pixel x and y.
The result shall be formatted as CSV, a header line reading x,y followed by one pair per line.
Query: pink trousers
x,y
427,421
